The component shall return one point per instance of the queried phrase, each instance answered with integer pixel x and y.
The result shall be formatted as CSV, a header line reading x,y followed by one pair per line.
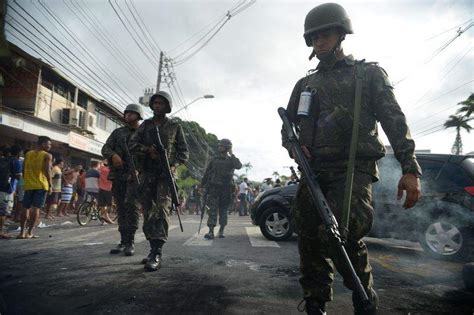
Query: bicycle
x,y
88,210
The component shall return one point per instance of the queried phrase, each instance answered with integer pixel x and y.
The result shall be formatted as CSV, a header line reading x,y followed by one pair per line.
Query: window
x,y
101,120
82,100
454,176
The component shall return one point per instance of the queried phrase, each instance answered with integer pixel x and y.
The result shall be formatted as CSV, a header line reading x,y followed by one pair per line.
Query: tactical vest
x,y
222,172
328,130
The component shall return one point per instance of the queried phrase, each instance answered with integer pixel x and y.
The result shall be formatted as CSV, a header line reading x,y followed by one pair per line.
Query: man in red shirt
x,y
105,193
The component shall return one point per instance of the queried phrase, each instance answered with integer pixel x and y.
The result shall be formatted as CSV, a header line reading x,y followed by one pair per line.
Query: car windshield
x,y
468,165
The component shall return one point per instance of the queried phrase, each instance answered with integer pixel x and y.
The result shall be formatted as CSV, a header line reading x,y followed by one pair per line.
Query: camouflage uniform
x,y
155,194
327,134
125,195
219,184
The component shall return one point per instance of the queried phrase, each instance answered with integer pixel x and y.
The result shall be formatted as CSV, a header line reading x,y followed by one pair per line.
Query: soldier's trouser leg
x,y
223,211
213,204
317,255
127,209
156,204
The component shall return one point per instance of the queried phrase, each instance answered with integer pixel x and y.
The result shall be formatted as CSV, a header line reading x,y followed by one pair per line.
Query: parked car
x,y
442,221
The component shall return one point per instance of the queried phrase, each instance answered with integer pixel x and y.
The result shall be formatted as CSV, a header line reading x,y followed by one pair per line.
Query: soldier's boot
x,y
221,232
129,249
210,234
312,306
120,247
154,258
371,309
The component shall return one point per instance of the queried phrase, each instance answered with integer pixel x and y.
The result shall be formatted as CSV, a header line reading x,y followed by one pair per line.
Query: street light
x,y
186,106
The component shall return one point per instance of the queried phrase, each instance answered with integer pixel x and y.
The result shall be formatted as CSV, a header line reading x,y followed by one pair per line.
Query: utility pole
x,y
149,91
160,68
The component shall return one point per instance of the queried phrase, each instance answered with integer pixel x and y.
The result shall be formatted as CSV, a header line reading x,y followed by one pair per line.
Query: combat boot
x,y
312,306
129,249
210,234
221,232
120,247
371,309
154,258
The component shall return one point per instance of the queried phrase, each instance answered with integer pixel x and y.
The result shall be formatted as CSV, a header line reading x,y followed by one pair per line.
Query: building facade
x,y
37,99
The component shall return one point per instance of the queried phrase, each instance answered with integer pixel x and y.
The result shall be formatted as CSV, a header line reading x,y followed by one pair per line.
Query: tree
x,y
467,107
276,174
247,166
459,122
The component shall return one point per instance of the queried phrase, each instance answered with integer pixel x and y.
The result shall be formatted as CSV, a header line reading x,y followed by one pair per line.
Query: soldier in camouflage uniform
x,y
125,194
219,186
325,136
155,193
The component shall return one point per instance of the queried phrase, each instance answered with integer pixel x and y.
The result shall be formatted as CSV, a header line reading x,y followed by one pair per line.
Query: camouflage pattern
x,y
156,206
155,194
327,132
172,136
317,254
115,145
125,194
219,183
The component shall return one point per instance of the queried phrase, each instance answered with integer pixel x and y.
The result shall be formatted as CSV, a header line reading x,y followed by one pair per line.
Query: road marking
x,y
257,239
140,237
198,240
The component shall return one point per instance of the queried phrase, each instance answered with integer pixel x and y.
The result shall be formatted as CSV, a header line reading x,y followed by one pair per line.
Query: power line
x,y
82,65
448,30
152,61
199,44
108,39
438,97
439,50
442,78
153,44
72,38
116,80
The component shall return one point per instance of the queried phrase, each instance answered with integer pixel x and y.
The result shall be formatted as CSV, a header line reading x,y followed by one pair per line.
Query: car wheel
x,y
445,239
275,224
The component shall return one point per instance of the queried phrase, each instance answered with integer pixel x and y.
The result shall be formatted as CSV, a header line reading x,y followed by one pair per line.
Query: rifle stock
x,y
325,212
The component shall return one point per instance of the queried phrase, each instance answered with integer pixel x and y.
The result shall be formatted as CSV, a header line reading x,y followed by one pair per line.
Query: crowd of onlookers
x,y
243,196
40,183
56,197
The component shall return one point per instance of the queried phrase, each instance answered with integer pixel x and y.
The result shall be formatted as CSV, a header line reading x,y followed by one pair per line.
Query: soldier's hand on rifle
x,y
411,184
305,150
117,161
173,169
153,152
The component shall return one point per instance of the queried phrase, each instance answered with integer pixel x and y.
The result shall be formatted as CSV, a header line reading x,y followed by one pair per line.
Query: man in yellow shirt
x,y
37,184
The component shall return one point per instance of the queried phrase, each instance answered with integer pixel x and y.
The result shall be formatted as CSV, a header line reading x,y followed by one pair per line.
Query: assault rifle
x,y
169,176
204,207
325,212
131,165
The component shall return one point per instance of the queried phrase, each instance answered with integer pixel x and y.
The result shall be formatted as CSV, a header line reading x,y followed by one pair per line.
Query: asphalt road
x,y
68,270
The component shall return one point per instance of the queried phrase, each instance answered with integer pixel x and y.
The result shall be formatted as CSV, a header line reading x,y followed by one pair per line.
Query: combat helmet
x,y
325,16
164,95
226,143
134,108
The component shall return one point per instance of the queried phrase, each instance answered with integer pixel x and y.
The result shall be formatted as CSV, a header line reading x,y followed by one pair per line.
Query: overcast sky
x,y
253,63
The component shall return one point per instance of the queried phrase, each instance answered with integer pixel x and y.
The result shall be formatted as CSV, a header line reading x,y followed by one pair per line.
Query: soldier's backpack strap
x,y
359,76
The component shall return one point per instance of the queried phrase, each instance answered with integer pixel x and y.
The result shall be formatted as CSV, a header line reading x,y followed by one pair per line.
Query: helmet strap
x,y
330,58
